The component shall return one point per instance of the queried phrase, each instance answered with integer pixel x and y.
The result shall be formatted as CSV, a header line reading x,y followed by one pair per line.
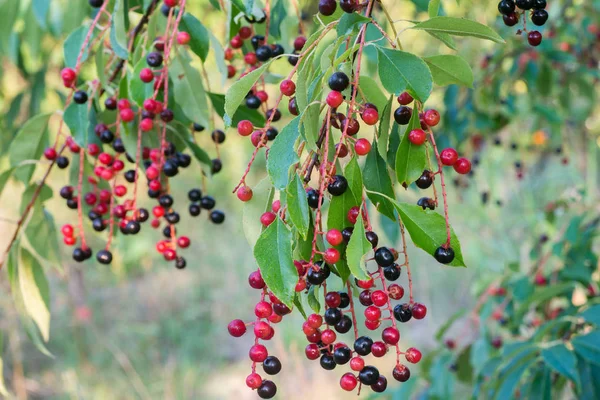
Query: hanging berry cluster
x,y
316,241
513,11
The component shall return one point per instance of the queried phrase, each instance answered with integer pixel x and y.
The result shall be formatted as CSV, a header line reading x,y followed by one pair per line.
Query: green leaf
x,y
348,22
218,102
411,159
383,133
261,202
189,90
238,91
449,70
541,385
34,288
444,38
273,253
4,178
73,45
44,195
77,119
372,91
337,219
590,379
540,295
41,234
28,145
355,181
563,361
312,299
433,8
459,27
588,346
358,248
377,179
138,89
278,14
282,154
591,315
298,205
200,39
427,229
118,30
400,71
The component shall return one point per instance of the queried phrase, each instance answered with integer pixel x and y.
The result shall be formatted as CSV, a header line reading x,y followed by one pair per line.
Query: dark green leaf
x,y
298,205
411,159
200,39
358,248
400,71
459,27
377,179
73,45
77,119
118,31
563,361
588,346
282,155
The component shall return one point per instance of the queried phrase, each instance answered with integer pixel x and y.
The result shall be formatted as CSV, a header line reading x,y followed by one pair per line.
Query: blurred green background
x,y
141,329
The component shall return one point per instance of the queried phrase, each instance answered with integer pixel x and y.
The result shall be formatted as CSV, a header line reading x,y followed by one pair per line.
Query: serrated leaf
x,y
449,70
563,361
377,179
358,248
459,27
282,154
76,117
298,205
261,202
273,254
28,145
118,30
400,71
199,37
411,159
34,288
189,90
238,91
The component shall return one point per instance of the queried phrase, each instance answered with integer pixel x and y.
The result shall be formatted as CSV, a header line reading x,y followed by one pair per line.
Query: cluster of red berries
x,y
513,10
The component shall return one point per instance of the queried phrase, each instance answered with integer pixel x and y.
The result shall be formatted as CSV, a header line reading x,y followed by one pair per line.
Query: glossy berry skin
x,y
368,375
146,75
337,186
267,218
444,255
253,381
379,349
462,166
334,99
419,311
539,4
362,147
348,381
384,257
342,355
331,256
534,38
272,365
402,115
287,87
258,353
524,4
401,373
244,193
236,328
510,19
506,7
104,257
370,116
327,7
391,273
417,137
380,386
425,180
405,99
338,81
267,390
327,362
312,351
334,237
362,345
390,335
357,363
402,312
539,17
333,316
448,156
431,117
413,355
80,97
245,128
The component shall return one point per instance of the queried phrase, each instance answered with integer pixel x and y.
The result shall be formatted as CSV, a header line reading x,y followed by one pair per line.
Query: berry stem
x,y
444,195
406,262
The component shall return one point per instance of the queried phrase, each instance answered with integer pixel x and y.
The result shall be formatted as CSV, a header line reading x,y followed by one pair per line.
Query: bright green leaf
x,y
28,145
298,205
200,39
189,90
282,154
459,27
358,248
400,71
449,70
411,159
34,288
377,179
76,117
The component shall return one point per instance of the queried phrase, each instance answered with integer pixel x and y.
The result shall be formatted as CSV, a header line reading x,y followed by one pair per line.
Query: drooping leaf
x,y
358,248
400,71
199,37
298,205
449,70
283,155
459,27
383,133
76,117
28,145
73,45
118,31
348,22
273,254
41,234
588,346
355,181
377,179
218,102
563,361
34,288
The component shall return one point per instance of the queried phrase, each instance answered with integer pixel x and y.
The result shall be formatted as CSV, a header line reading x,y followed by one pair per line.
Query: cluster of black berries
x,y
328,7
538,15
199,202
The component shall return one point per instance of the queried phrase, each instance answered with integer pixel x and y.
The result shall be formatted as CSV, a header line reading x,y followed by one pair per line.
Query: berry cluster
x,y
512,11
107,191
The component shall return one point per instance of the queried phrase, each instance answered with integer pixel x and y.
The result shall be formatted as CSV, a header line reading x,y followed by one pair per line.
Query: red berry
x,y
258,353
450,344
413,355
417,136
365,284
372,313
370,116
228,54
299,43
307,329
348,382
245,32
276,206
390,335
401,373
236,42
262,95
245,128
353,215
334,237
267,218
328,336
146,125
357,363
335,99
262,330
146,75
231,71
331,256
69,240
257,138
379,298
342,150
314,321
534,38
127,115
372,325
150,105
352,126
288,87
419,311
244,193
50,153
362,147
236,328
68,75
255,280
250,58
405,98
462,166
171,3
183,38
93,149
431,117
67,230
123,104
395,291
183,242
120,191
263,309
379,349
253,381
312,351
448,156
